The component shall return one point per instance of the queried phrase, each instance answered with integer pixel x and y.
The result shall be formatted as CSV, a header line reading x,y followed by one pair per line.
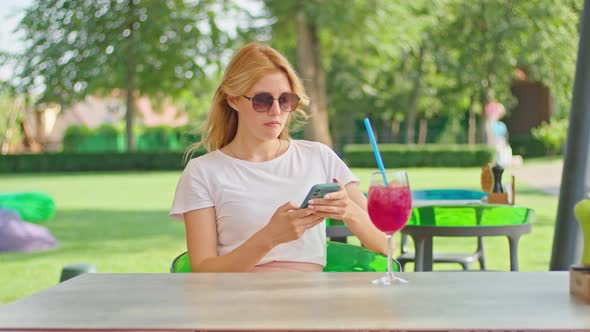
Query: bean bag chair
x,y
31,206
17,235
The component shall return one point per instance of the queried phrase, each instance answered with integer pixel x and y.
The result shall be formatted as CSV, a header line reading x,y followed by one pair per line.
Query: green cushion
x,y
341,257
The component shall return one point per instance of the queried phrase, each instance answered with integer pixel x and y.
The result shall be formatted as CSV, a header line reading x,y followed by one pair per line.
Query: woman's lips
x,y
272,124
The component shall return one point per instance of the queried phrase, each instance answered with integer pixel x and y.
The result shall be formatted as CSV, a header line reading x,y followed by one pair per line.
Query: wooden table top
x,y
303,301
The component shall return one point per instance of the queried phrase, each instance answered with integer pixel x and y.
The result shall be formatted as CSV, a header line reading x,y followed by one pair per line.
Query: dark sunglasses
x,y
262,102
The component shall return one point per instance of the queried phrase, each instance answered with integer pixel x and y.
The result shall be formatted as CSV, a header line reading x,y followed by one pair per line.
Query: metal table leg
x,y
513,244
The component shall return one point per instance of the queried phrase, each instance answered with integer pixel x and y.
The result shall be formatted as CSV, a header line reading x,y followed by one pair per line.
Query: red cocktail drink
x,y
389,208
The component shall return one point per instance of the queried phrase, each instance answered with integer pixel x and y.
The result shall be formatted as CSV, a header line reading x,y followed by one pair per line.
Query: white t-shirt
x,y
246,194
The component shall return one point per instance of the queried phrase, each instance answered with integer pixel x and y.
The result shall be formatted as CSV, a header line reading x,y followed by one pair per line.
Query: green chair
x,y
341,257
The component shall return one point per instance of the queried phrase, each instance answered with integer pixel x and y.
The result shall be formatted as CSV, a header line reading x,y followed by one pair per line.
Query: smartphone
x,y
319,190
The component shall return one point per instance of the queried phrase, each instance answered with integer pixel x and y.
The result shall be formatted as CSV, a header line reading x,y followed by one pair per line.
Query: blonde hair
x,y
248,66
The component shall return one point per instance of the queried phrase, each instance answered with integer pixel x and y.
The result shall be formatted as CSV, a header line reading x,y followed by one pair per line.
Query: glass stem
x,y
389,270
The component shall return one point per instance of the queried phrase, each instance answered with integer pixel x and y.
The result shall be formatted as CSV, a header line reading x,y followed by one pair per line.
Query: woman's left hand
x,y
336,205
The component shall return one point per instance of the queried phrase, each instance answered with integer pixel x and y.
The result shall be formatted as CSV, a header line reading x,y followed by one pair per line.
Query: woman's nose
x,y
275,108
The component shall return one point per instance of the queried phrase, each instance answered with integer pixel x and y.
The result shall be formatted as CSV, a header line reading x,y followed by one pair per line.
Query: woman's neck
x,y
254,150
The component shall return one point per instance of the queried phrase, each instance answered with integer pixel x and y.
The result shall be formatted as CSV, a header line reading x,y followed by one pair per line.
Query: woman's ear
x,y
232,101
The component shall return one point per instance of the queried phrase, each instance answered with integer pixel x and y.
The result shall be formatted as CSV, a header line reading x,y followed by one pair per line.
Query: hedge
x,y
429,155
356,155
87,162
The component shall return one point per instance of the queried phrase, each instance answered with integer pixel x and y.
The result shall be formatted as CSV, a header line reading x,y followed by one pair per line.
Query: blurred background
x,y
138,73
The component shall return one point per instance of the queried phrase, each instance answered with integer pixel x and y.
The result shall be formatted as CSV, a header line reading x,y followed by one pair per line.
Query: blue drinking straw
x,y
375,150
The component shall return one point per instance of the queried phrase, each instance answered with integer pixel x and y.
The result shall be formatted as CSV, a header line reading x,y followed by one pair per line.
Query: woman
x,y
239,202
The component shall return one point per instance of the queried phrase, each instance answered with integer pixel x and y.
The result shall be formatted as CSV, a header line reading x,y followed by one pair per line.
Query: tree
x,y
344,50
309,60
413,61
11,109
481,43
307,27
293,19
80,47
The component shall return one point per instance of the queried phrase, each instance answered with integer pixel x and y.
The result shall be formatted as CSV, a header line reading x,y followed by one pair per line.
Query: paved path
x,y
545,176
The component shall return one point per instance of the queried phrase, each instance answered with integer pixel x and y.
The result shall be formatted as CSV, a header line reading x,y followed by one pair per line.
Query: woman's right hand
x,y
288,223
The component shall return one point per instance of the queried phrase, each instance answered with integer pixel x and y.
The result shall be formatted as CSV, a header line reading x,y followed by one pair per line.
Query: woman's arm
x,y
201,242
287,224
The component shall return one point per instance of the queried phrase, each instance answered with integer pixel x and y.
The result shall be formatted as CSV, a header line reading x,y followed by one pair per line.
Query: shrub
x,y
527,146
160,138
83,139
552,135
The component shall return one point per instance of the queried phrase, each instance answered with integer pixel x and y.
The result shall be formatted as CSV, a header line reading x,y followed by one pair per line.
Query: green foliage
x,y
451,132
386,59
430,155
552,134
196,99
75,48
482,42
383,59
11,109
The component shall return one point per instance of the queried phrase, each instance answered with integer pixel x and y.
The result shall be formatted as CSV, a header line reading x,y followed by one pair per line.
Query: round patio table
x,y
462,220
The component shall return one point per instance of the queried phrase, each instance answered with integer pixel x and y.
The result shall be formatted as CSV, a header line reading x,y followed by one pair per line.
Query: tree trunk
x,y
481,131
27,139
131,73
395,131
423,131
312,73
384,133
471,130
350,128
28,131
415,95
130,102
39,135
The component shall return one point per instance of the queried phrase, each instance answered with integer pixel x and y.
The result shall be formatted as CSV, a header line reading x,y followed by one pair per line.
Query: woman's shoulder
x,y
309,145
209,159
315,148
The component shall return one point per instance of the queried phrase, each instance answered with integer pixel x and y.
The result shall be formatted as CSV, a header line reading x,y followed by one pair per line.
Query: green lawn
x,y
118,222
